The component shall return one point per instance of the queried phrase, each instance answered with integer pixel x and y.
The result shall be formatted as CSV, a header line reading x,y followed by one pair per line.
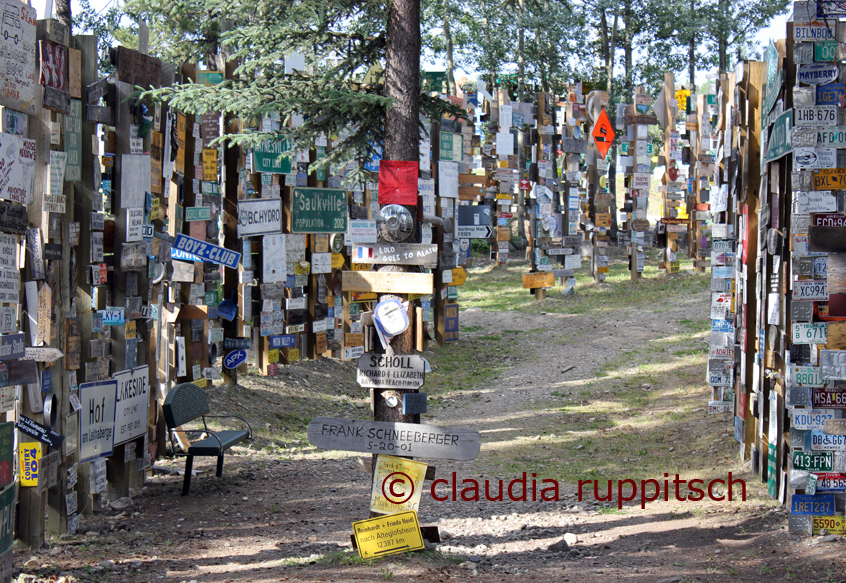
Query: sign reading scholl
x,y
235,358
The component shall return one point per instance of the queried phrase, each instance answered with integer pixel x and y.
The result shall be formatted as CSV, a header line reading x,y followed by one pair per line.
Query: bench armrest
x,y
249,427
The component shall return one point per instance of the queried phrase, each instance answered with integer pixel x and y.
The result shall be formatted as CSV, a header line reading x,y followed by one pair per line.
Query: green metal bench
x,y
186,403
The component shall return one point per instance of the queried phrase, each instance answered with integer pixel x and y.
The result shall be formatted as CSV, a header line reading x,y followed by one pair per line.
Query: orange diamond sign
x,y
603,133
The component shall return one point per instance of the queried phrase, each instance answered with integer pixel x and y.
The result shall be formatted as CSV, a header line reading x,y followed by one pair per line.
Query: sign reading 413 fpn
x,y
381,371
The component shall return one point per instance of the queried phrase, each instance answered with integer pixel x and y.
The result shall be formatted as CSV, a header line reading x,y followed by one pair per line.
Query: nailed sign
x,y
818,73
17,51
410,439
387,282
390,372
538,280
207,251
259,216
397,254
319,210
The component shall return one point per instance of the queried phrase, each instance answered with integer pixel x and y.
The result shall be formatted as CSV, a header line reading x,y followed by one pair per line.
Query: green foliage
x,y
109,25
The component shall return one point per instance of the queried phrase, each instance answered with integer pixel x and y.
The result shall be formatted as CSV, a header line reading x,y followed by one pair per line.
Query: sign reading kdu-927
x,y
207,251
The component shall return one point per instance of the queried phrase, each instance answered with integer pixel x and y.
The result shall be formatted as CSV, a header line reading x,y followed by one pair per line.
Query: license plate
x,y
833,364
822,442
831,482
830,398
800,311
817,505
719,379
813,290
820,267
814,462
719,407
808,333
807,376
811,418
833,524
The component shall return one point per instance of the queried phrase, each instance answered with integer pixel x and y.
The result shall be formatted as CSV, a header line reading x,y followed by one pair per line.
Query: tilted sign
x,y
132,401
409,439
319,210
207,251
780,142
17,159
381,371
397,254
259,216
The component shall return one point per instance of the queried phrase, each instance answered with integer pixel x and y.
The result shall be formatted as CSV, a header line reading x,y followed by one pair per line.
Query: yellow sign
x,y
302,268
337,261
538,280
130,329
293,354
503,196
210,164
681,97
388,535
202,383
362,266
674,266
603,220
833,524
154,208
397,485
459,276
272,356
602,269
30,454
363,296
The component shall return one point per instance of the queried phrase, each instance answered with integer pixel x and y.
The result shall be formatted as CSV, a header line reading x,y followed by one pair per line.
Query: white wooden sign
x,y
274,265
134,224
321,263
17,157
17,46
96,427
134,180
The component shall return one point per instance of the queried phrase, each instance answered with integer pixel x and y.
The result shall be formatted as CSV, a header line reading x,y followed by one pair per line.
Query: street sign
x,y
390,372
603,134
207,251
42,354
38,431
96,426
459,276
319,210
780,142
406,439
474,232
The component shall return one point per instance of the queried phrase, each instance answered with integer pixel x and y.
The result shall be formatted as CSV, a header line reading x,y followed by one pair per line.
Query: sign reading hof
x,y
381,371
406,439
97,419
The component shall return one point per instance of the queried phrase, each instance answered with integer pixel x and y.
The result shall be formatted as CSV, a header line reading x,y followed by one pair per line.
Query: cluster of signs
x,y
397,482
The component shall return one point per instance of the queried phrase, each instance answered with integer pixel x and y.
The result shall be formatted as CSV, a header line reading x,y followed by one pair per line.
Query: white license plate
x,y
814,290
807,333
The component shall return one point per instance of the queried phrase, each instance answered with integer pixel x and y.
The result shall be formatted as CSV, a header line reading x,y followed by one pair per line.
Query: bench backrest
x,y
184,403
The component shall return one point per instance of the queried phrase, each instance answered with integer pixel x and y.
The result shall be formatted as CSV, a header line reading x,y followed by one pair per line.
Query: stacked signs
x,y
633,121
671,104
397,482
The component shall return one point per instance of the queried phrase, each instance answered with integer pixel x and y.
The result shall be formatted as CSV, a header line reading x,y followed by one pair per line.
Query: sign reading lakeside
x,y
409,439
381,371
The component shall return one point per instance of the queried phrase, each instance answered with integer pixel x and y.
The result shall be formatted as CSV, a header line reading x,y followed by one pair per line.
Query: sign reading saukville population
x,y
381,371
319,210
132,401
404,439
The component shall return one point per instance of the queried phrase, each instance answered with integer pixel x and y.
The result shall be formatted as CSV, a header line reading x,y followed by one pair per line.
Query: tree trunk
x,y
627,46
691,65
402,81
63,13
521,56
722,41
450,65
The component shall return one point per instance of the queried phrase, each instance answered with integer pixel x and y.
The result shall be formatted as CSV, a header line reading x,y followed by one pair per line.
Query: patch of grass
x,y
493,338
471,328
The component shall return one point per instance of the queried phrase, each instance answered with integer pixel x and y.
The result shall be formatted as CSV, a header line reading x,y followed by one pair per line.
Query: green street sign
x,y
649,149
775,78
319,210
211,188
198,213
781,135
825,50
451,147
267,157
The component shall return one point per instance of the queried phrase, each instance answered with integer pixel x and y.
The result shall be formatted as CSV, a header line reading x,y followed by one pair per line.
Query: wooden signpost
x,y
538,280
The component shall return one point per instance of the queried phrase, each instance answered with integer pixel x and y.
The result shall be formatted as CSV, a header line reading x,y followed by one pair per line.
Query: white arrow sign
x,y
473,232
42,354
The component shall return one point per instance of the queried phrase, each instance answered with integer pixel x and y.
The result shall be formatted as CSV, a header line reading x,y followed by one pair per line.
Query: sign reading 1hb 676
x,y
319,210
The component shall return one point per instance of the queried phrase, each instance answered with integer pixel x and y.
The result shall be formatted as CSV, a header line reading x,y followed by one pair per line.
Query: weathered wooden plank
x,y
419,441
826,239
387,282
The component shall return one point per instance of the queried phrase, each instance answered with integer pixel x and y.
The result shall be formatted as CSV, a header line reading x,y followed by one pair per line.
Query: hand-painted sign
x,y
207,251
405,439
538,280
397,254
17,45
388,535
390,372
37,431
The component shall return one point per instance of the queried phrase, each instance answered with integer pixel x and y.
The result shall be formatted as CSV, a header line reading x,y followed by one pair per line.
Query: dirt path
x,y
602,395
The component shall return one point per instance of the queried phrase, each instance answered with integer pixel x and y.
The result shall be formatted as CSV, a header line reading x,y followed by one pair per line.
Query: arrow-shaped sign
x,y
473,232
42,354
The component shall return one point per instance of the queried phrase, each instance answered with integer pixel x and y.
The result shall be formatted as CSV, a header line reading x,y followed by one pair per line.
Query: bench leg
x,y
189,466
219,465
